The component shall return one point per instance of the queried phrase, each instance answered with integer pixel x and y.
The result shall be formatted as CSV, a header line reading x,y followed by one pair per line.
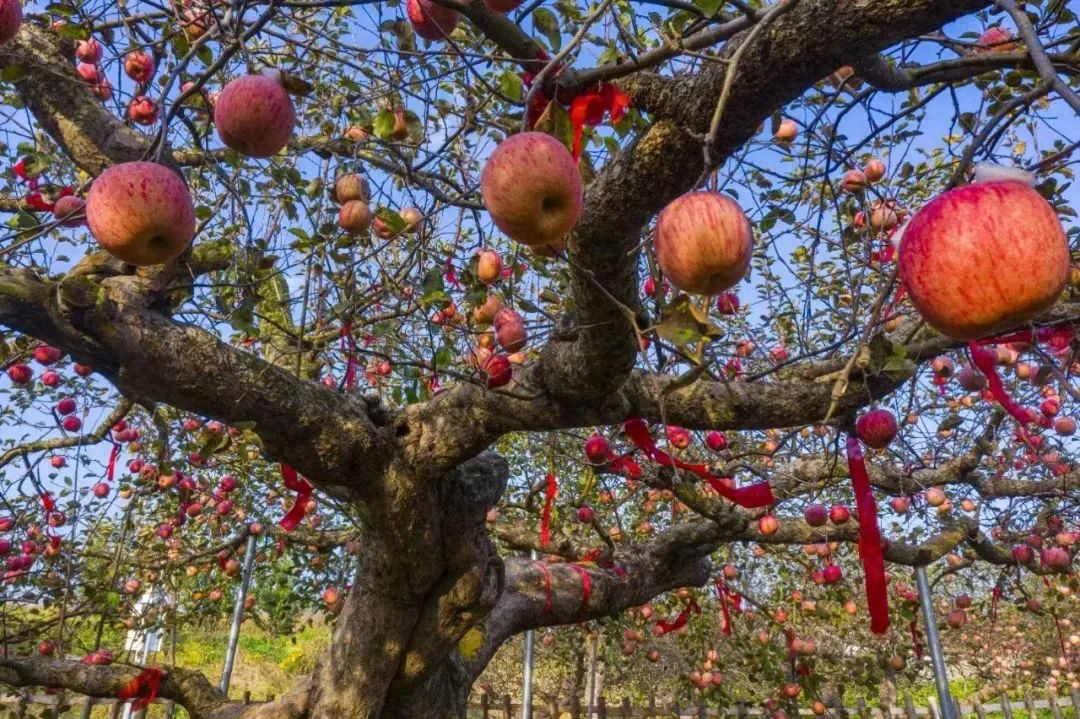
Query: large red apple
x,y
139,66
431,21
141,213
984,258
11,16
532,188
703,242
254,115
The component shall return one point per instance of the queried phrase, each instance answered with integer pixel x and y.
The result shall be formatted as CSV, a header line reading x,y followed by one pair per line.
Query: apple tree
x,y
419,290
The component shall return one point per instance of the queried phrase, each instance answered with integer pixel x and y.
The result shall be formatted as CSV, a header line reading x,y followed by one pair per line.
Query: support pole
x,y
526,679
238,615
933,641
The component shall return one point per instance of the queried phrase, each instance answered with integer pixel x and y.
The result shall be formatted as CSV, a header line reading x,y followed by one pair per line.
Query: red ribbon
x,y
870,552
114,454
721,589
547,587
750,497
48,502
681,620
916,645
589,108
550,491
995,598
1057,336
303,489
586,589
348,346
984,360
143,689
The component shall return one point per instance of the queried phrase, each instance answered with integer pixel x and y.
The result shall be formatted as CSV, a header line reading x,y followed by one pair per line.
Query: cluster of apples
x,y
353,193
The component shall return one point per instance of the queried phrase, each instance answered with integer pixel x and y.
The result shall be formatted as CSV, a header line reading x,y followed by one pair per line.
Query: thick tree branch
x,y
111,324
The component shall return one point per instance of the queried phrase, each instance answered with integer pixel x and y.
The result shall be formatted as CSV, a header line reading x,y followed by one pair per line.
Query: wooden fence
x,y
488,707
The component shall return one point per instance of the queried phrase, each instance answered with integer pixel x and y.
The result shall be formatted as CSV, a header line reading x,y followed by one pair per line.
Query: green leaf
x,y
709,7
684,323
384,124
545,21
510,85
11,73
73,31
555,121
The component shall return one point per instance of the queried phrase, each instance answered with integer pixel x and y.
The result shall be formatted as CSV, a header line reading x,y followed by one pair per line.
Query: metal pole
x,y
933,640
238,614
526,679
594,643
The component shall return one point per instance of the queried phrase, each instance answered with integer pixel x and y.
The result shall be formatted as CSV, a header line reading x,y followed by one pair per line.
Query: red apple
x,y
139,66
431,21
254,115
70,211
874,170
532,189
787,131
855,181
984,258
816,515
46,648
678,437
1055,558
330,596
995,39
66,406
839,514
88,51
141,213
142,110
716,441
350,187
1065,426
727,303
47,355
597,449
101,490
355,217
509,330
50,378
71,423
58,462
833,574
963,601
956,618
498,370
900,505
585,514
11,16
876,428
20,373
768,525
703,242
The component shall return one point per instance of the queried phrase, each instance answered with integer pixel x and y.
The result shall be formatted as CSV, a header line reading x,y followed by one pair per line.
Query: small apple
x,y
874,171
351,187
355,217
787,131
139,66
430,20
876,428
89,51
142,110
855,182
488,266
70,211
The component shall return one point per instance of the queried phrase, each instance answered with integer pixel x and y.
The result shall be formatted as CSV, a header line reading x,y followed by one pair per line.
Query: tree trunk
x,y
427,575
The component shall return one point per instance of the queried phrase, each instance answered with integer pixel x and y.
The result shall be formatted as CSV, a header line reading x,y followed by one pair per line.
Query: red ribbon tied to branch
x,y
984,359
550,490
114,454
587,108
143,689
303,489
722,590
586,589
750,497
681,620
348,346
870,552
